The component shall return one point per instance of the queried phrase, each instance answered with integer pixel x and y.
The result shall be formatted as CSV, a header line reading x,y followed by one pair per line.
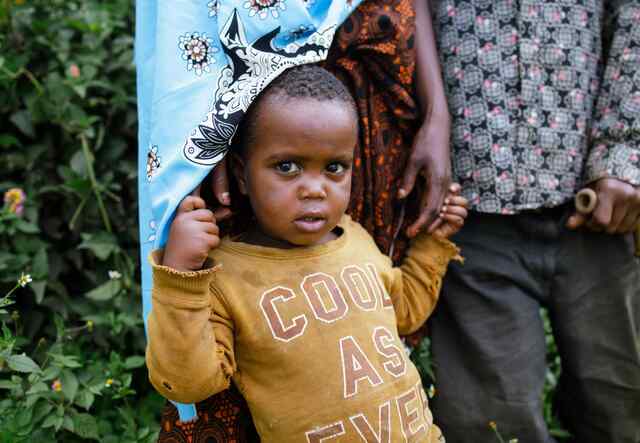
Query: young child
x,y
302,311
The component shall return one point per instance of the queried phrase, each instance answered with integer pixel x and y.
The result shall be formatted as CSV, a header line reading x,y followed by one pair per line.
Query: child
x,y
302,310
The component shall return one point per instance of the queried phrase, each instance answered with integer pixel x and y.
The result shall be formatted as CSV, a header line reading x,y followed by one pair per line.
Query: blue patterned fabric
x,y
200,65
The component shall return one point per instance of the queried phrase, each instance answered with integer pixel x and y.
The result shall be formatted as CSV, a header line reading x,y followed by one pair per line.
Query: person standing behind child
x,y
302,311
545,99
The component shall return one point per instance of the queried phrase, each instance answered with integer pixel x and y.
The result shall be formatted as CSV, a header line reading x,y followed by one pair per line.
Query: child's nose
x,y
312,189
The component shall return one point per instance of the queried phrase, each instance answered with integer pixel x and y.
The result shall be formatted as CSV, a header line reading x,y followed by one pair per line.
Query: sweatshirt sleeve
x,y
615,140
415,285
190,335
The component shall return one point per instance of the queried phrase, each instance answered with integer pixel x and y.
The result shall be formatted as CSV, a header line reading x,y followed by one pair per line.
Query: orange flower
x,y
56,385
14,200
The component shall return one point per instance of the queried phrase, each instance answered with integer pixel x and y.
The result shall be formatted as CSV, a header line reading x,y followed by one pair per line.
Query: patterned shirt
x,y
545,97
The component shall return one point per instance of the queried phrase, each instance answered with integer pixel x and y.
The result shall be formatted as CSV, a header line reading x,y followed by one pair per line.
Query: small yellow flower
x,y
513,440
431,392
14,200
493,425
56,385
90,325
24,279
108,383
19,2
114,275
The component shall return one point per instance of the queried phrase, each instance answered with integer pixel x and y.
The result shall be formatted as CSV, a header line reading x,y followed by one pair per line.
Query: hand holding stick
x,y
586,201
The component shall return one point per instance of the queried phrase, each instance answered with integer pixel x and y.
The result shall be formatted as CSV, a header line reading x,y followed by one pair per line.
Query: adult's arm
x,y
430,155
613,162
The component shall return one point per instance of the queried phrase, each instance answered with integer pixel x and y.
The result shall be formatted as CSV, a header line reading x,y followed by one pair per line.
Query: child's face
x,y
297,169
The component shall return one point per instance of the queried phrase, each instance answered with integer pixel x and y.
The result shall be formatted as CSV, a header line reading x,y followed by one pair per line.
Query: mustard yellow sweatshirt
x,y
309,336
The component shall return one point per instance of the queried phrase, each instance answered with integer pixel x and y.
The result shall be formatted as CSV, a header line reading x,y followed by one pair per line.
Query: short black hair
x,y
303,81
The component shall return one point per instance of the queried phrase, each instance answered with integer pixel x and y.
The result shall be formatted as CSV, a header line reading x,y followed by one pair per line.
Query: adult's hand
x,y
431,159
617,210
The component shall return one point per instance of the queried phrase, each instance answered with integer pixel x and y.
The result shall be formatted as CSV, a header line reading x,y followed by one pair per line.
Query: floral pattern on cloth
x,y
534,119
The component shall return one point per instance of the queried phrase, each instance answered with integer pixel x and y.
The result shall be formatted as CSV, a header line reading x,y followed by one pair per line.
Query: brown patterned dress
x,y
373,55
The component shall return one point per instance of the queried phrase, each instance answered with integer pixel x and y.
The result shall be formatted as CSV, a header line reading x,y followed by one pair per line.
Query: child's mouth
x,y
310,224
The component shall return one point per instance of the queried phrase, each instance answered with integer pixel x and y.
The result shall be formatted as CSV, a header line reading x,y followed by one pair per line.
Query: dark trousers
x,y
488,339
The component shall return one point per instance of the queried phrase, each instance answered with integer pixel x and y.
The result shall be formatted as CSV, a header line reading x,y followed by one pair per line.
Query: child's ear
x,y
238,168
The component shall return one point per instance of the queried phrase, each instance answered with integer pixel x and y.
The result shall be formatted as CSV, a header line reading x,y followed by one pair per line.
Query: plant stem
x,y
94,183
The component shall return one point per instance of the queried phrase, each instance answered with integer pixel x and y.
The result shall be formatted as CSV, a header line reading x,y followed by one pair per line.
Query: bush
x,y
72,344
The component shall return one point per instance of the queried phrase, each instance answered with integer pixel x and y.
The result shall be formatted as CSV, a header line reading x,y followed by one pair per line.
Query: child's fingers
x,y
210,228
190,203
454,188
460,211
456,200
453,219
212,241
203,215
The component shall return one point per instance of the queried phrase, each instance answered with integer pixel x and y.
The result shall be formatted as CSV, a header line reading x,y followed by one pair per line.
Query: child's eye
x,y
287,167
336,168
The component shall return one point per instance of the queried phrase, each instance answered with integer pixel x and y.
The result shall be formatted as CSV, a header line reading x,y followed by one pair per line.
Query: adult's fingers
x,y
629,222
220,183
423,217
190,203
436,193
619,212
409,178
603,213
576,220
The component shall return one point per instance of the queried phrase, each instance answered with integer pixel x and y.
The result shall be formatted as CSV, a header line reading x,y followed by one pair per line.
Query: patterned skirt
x,y
373,55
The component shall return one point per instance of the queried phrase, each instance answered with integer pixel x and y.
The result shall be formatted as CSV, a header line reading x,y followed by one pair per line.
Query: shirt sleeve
x,y
190,335
615,141
415,285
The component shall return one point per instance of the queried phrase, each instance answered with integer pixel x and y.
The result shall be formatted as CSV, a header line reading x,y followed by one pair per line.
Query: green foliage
x,y
72,341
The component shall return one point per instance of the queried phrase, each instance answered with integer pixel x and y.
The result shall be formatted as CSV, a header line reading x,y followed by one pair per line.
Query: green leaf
x,y
69,384
8,140
68,424
85,426
101,244
41,410
24,417
8,384
26,227
40,264
38,388
38,288
105,291
85,399
22,363
50,421
68,361
22,119
134,361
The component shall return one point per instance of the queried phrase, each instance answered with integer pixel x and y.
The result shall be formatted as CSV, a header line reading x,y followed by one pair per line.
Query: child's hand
x,y
453,213
193,234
